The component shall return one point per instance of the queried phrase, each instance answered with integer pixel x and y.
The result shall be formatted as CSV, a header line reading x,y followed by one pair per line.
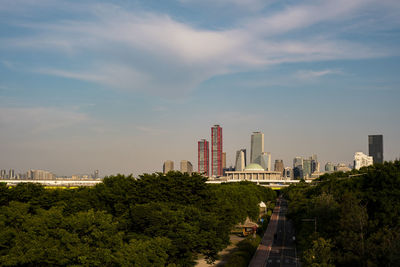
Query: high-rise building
x,y
168,166
265,161
362,160
314,164
96,174
298,168
297,161
329,167
203,157
307,168
223,160
278,167
288,173
40,175
240,162
257,147
3,174
186,167
216,151
11,174
375,147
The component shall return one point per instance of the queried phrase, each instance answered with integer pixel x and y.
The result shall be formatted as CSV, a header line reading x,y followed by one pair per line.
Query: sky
x,y
122,86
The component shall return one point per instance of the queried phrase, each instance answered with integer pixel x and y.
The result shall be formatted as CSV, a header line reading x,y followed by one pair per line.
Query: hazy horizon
x,y
124,86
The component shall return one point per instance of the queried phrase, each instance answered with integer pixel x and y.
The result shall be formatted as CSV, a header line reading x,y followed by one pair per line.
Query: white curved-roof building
x,y
253,172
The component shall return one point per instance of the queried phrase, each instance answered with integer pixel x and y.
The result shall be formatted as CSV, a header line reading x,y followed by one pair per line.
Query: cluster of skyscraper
x,y
10,175
304,168
43,175
186,166
30,175
218,157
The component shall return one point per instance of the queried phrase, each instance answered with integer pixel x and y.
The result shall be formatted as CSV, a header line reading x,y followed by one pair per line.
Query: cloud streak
x,y
311,74
154,52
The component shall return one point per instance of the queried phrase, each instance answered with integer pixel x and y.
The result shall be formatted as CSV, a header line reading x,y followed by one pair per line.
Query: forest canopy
x,y
349,219
154,220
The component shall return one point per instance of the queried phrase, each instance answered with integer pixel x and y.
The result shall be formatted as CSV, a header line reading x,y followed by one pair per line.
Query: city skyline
x,y
123,86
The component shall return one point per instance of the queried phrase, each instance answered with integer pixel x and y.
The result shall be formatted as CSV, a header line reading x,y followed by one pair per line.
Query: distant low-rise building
x,y
253,172
342,167
168,166
329,167
186,167
288,173
362,160
278,166
40,175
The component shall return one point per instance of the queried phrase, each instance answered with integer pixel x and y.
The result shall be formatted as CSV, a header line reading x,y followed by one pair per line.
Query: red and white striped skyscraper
x,y
203,157
216,151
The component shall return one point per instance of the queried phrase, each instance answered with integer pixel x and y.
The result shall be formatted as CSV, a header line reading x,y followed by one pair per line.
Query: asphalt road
x,y
283,251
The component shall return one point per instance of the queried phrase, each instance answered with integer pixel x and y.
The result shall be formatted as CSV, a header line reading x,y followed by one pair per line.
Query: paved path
x,y
277,247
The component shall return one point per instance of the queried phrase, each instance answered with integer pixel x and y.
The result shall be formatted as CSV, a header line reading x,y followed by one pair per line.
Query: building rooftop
x,y
254,167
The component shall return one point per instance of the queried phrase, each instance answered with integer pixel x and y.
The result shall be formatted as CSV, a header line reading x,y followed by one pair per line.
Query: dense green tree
x,y
358,211
320,254
154,220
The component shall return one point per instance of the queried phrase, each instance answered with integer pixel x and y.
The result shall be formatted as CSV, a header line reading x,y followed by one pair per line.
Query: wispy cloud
x,y
115,75
312,74
157,53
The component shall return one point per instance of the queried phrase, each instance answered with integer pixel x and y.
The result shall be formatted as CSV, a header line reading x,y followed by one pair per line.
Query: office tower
x,y
362,160
306,168
288,173
168,166
240,162
375,147
314,164
11,174
40,175
3,174
257,147
329,167
297,161
96,174
298,172
186,167
278,167
298,168
203,156
216,151
223,160
265,161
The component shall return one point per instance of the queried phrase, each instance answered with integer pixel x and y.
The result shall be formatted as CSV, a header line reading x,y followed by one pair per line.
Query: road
x,y
277,247
283,251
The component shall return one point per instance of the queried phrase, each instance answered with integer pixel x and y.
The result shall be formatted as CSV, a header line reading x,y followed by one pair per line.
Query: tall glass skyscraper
x,y
240,162
216,151
265,161
203,157
257,147
375,147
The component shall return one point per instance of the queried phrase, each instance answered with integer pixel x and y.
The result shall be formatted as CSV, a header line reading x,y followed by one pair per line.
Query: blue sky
x,y
122,86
